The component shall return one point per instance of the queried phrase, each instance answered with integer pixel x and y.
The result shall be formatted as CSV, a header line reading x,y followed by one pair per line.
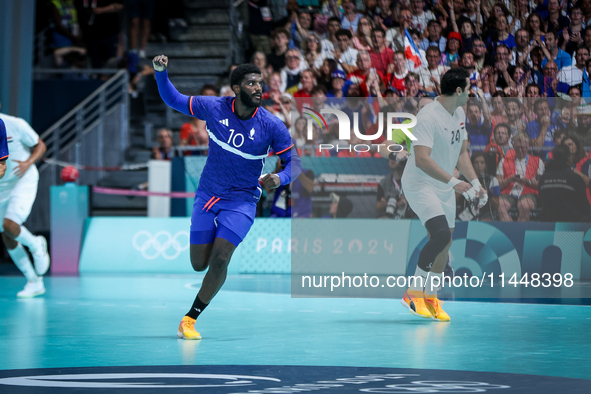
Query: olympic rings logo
x,y
162,243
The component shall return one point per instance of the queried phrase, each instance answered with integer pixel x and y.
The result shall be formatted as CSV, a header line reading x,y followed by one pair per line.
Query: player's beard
x,y
248,100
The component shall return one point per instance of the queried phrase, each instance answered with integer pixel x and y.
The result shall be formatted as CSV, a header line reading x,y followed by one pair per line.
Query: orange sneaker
x,y
415,302
434,306
187,329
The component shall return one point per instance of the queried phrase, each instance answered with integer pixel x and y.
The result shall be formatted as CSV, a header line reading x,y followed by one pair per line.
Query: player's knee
x,y
199,265
11,227
9,242
441,239
219,261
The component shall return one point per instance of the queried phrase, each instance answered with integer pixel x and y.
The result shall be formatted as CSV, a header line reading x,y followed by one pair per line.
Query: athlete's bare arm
x,y
426,163
2,168
23,166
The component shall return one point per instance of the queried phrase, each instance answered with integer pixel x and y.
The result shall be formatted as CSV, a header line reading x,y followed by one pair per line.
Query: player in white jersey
x,y
430,187
18,189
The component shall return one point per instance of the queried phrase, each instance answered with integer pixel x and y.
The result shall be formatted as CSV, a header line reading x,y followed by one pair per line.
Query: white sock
x,y
418,285
22,261
28,239
433,284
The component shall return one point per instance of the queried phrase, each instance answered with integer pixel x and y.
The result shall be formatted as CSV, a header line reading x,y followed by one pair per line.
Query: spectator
x,y
260,60
541,131
260,25
501,77
345,55
498,113
385,19
164,150
340,207
562,192
518,175
500,144
329,40
535,27
434,39
491,184
552,86
324,77
537,71
301,194
139,12
577,158
416,38
390,200
554,53
481,56
362,40
503,35
472,12
291,73
468,35
573,75
350,18
467,62
301,28
65,28
583,132
337,83
280,39
520,77
430,75
100,26
381,56
413,88
586,7
451,57
573,36
520,53
586,84
555,20
514,117
395,35
397,72
313,52
274,93
361,74
420,17
478,123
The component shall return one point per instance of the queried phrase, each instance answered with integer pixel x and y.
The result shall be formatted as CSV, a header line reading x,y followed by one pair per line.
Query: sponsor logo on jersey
x,y
224,122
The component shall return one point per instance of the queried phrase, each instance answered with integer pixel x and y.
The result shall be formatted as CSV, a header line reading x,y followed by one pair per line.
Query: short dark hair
x,y
559,161
318,89
240,71
281,30
433,21
504,125
533,85
433,48
539,102
333,19
343,32
581,47
453,79
209,86
513,100
379,29
553,32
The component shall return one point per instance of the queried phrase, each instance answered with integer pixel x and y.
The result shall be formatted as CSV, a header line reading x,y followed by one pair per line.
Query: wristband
x,y
476,184
453,181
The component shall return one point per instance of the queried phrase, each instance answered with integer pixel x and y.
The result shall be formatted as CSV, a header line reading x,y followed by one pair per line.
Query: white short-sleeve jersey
x,y
21,138
444,134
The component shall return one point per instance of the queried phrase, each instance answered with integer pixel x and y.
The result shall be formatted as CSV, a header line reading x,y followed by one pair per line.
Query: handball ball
x,y
69,174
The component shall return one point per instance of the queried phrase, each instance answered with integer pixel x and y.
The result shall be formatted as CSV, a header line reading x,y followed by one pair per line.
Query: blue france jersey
x,y
237,148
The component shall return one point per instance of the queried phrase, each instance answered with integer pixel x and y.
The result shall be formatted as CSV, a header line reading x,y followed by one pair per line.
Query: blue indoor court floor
x,y
117,334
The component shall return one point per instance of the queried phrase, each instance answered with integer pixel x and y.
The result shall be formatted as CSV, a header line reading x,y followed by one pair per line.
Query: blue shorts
x,y
216,218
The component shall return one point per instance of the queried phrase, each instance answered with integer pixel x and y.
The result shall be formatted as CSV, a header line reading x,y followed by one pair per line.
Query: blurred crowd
x,y
528,118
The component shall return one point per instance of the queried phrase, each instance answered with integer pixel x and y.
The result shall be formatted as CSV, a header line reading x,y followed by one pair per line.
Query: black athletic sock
x,y
197,308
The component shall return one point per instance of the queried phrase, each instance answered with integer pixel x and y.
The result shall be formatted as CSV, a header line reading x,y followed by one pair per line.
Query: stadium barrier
x,y
323,246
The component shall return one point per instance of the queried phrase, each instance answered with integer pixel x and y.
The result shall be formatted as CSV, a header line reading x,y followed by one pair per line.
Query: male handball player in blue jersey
x,y
241,136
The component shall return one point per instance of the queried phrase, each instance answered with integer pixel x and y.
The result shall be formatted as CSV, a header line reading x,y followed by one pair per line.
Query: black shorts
x,y
143,9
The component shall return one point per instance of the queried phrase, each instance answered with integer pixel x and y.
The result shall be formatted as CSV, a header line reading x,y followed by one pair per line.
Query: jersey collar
x,y
253,115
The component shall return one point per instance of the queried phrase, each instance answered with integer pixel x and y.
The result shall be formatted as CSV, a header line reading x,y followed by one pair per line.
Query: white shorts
x,y
16,203
428,202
